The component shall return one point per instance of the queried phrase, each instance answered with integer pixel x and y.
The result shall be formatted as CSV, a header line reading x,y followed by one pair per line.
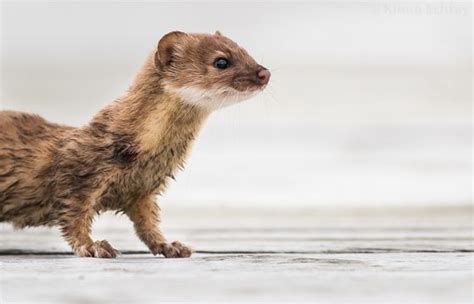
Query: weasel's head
x,y
210,71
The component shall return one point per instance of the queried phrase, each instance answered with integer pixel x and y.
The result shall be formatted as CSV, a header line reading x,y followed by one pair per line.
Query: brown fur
x,y
52,174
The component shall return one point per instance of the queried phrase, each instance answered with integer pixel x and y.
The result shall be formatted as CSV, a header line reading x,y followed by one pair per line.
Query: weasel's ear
x,y
166,48
218,33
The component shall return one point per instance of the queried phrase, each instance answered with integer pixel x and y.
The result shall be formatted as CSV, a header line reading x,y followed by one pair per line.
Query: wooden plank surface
x,y
243,255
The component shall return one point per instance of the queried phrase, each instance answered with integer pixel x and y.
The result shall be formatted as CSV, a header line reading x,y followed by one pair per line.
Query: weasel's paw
x,y
174,250
98,249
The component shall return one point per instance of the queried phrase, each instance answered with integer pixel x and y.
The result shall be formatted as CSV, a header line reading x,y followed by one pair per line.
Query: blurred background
x,y
370,103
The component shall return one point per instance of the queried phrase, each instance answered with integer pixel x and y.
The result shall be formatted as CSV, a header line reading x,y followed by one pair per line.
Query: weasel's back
x,y
26,143
17,128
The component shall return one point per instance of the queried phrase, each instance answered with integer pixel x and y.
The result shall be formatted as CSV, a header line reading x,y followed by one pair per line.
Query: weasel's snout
x,y
263,76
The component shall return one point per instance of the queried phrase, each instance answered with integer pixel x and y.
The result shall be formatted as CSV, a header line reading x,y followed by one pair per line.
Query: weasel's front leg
x,y
75,226
145,215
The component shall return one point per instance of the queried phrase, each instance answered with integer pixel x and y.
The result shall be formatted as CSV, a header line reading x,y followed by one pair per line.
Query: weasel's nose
x,y
264,76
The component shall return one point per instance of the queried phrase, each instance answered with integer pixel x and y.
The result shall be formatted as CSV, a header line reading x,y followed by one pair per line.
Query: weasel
x,y
57,175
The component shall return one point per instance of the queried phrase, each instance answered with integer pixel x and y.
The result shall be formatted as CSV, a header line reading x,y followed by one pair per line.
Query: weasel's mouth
x,y
248,86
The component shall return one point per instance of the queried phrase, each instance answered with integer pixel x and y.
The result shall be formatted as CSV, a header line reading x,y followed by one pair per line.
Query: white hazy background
x,y
369,103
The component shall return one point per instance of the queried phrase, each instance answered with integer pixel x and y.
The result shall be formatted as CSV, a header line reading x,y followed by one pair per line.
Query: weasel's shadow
x,y
25,252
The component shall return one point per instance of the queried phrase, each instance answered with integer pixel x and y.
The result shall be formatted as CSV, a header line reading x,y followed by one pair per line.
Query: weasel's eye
x,y
221,63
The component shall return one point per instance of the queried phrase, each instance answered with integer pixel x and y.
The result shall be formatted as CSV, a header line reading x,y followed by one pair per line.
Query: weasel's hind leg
x,y
76,228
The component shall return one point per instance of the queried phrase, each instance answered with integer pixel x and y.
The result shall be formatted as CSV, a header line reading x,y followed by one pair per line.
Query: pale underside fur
x,y
211,99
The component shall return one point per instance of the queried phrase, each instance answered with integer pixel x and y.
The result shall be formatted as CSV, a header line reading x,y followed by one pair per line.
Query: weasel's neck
x,y
152,118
